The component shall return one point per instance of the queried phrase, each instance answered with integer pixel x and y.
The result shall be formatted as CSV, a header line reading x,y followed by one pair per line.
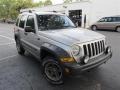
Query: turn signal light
x,y
65,60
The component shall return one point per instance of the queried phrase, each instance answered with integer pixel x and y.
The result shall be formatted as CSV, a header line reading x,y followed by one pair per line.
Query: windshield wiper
x,y
69,27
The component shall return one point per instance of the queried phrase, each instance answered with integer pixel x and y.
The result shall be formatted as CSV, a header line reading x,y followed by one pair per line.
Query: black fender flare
x,y
54,50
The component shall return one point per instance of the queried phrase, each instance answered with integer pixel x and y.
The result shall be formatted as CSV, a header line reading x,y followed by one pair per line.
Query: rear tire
x,y
52,71
19,47
94,27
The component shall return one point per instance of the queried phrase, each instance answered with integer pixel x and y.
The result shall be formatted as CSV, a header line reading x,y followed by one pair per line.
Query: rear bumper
x,y
77,68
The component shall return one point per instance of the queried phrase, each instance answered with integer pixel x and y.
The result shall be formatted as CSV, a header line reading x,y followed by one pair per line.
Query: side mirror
x,y
28,29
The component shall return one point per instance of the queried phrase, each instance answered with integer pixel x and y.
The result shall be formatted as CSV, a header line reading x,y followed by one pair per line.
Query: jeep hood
x,y
71,36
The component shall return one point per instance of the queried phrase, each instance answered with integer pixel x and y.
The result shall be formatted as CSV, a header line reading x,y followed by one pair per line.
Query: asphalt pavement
x,y
24,72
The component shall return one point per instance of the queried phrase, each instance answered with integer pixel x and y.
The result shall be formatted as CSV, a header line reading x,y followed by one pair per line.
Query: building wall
x,y
103,8
64,8
94,9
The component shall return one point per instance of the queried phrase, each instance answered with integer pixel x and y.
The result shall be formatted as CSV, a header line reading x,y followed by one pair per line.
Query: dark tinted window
x,y
30,22
22,21
109,19
116,19
17,21
103,20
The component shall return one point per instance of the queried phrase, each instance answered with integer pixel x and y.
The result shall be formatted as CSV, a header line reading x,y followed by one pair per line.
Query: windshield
x,y
51,22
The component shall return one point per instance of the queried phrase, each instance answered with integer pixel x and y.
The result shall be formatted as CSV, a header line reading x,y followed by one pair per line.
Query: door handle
x,y
38,38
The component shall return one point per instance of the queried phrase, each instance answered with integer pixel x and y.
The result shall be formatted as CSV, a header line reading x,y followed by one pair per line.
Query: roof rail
x,y
29,11
54,11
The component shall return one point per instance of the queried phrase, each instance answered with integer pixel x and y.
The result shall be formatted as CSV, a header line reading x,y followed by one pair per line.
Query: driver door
x,y
32,39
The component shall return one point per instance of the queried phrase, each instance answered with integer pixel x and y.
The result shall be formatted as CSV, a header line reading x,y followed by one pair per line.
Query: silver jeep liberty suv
x,y
60,46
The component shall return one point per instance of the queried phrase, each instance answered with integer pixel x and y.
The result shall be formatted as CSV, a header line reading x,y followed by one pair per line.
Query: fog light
x,y
108,49
67,70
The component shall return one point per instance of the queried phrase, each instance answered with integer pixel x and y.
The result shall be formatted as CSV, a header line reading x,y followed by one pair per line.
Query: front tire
x,y
19,47
94,27
52,70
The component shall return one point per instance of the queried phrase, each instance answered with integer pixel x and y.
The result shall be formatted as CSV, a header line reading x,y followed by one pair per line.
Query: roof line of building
x,y
88,1
70,3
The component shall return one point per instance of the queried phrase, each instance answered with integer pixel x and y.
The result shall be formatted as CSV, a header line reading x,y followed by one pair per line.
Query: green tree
x,y
39,4
68,1
81,0
11,8
22,4
6,6
47,2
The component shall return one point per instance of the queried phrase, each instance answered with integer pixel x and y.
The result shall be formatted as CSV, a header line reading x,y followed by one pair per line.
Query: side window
x,y
102,20
105,19
117,19
17,21
109,19
30,22
114,19
22,21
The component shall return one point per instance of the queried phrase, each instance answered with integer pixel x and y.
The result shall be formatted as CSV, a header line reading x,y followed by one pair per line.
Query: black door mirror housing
x,y
28,29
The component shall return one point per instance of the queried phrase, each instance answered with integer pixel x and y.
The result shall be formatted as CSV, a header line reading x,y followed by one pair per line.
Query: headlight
x,y
75,50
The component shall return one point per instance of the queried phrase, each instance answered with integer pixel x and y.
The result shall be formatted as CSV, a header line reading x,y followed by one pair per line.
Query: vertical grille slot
x,y
96,48
103,45
85,49
89,50
99,47
93,49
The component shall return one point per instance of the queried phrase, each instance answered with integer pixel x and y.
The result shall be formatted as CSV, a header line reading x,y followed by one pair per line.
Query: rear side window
x,y
117,19
30,22
22,21
114,19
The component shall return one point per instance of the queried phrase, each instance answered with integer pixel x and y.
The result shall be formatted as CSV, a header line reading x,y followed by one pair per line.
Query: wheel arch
x,y
52,50
47,52
117,27
93,25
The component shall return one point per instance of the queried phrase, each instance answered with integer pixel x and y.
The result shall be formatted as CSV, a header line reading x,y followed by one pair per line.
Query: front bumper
x,y
78,68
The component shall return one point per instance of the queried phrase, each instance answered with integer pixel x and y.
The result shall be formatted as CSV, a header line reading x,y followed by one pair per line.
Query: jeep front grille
x,y
94,48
